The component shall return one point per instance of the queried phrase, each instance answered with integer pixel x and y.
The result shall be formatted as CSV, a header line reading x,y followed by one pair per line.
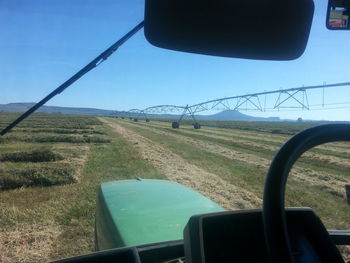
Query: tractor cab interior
x,y
275,30
271,30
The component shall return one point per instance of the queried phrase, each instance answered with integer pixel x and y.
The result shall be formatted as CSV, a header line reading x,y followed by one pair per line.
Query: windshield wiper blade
x,y
94,63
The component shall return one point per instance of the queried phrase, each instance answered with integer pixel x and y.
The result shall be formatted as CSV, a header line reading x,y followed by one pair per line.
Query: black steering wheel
x,y
275,226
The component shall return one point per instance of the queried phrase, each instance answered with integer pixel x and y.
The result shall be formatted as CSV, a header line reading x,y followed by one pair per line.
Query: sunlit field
x,y
51,166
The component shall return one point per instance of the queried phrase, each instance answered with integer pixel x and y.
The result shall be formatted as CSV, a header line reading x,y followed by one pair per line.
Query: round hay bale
x,y
136,120
147,120
175,125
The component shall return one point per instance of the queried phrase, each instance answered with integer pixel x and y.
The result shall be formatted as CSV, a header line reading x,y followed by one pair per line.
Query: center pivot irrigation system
x,y
282,99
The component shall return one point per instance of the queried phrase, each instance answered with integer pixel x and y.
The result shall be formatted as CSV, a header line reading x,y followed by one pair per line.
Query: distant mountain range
x,y
228,115
22,107
233,115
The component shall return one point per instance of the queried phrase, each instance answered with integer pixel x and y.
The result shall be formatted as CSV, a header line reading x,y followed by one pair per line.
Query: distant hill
x,y
22,107
233,115
228,115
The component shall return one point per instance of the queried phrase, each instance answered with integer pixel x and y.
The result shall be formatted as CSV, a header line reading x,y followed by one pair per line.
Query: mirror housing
x,y
338,14
254,29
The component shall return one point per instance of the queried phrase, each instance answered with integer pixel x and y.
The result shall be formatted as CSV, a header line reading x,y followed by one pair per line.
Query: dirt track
x,y
177,169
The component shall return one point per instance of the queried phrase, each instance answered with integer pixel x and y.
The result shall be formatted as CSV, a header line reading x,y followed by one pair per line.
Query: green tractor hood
x,y
135,212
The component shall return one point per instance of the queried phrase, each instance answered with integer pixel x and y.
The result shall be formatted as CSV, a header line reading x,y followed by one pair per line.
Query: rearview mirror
x,y
255,29
338,13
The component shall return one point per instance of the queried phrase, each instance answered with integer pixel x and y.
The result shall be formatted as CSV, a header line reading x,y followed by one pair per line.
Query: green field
x,y
51,166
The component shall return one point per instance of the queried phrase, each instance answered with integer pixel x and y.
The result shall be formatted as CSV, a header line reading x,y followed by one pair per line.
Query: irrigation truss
x,y
275,100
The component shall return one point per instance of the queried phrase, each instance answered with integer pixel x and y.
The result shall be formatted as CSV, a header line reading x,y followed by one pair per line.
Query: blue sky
x,y
45,42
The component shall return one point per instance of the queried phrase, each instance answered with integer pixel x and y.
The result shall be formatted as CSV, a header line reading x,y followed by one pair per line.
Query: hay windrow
x,y
325,181
31,156
28,243
31,233
35,175
47,138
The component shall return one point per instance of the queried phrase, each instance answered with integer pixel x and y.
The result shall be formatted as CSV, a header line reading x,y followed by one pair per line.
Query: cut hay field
x,y
51,166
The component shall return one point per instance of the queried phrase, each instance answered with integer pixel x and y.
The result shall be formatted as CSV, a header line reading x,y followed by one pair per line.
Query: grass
x,y
31,156
106,163
50,213
67,211
47,138
243,175
34,175
252,178
56,121
60,131
305,162
20,146
288,128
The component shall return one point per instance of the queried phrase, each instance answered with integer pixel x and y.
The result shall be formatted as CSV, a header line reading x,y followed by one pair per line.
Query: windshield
x,y
117,122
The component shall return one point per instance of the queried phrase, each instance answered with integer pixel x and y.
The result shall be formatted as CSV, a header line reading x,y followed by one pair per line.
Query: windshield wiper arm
x,y
94,63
